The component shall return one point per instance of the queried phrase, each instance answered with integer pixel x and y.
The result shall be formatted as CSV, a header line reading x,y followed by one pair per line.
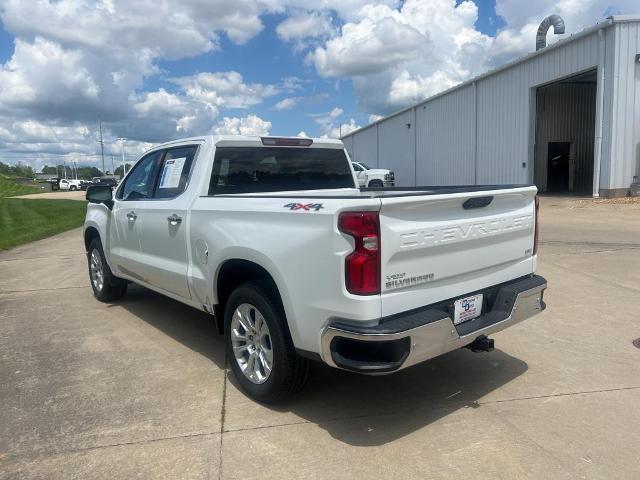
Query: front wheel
x,y
259,348
376,183
105,285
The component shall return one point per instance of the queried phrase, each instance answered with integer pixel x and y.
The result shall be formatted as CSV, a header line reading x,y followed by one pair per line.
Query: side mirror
x,y
100,194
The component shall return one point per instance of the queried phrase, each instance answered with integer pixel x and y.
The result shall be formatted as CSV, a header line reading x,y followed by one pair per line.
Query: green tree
x,y
17,170
118,170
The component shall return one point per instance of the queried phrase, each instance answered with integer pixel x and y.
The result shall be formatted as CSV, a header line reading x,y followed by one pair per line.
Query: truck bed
x,y
382,192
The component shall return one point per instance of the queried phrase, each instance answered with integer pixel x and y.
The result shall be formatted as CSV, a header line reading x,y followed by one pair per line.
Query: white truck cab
x,y
274,239
373,177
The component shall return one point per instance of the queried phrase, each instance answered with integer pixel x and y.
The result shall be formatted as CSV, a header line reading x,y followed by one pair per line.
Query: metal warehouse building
x,y
566,117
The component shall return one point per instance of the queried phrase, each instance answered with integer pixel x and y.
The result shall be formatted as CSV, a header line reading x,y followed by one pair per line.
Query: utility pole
x,y
124,165
101,146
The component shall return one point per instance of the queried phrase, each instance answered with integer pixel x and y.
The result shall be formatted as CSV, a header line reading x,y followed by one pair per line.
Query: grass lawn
x,y
9,188
23,220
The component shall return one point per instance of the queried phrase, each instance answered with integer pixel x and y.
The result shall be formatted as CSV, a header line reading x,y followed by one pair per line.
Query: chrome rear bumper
x,y
428,332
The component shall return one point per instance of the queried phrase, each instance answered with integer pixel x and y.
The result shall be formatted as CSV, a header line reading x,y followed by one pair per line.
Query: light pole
x,y
124,166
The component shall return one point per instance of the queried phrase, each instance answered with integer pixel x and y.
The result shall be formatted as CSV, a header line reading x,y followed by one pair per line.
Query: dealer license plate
x,y
467,308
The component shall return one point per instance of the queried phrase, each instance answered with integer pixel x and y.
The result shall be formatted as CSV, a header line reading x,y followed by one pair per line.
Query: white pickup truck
x,y
273,238
373,177
70,184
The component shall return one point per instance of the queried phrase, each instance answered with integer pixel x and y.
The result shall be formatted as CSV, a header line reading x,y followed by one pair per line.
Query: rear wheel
x,y
259,348
376,183
105,285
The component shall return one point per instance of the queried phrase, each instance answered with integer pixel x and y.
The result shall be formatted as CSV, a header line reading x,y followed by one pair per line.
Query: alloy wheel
x,y
251,343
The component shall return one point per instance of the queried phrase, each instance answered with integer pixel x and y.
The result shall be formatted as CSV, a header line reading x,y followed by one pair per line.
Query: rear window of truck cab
x,y
275,169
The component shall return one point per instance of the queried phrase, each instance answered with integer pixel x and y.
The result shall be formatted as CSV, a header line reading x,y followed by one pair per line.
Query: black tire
x,y
376,183
289,370
73,188
111,288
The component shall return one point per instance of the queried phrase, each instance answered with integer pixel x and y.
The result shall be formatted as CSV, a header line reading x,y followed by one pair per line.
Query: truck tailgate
x,y
437,247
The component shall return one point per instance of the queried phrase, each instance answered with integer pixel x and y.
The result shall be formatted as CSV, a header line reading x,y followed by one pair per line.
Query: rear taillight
x,y
536,232
362,266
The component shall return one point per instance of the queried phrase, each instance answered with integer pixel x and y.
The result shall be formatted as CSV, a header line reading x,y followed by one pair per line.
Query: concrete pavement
x,y
139,389
57,195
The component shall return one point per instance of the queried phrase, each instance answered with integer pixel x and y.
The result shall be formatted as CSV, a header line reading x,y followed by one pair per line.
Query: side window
x,y
139,183
174,172
357,167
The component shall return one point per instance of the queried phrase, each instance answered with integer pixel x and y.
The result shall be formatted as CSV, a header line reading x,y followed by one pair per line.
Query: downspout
x,y
599,115
475,133
377,145
415,147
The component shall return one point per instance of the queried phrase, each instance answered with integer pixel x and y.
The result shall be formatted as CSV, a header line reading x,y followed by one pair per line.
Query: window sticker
x,y
172,172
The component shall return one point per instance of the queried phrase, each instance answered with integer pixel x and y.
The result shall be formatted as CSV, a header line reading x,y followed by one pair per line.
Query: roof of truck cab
x,y
246,140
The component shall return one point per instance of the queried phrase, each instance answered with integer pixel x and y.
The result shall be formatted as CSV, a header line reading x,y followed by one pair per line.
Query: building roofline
x,y
609,21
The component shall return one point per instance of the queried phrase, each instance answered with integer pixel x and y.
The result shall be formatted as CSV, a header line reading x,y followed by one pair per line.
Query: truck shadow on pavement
x,y
355,409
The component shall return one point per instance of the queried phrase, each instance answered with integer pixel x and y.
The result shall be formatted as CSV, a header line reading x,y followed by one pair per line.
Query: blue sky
x,y
152,73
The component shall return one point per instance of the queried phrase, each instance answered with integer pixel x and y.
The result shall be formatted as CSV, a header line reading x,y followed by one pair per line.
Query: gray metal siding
x,y
504,109
625,114
444,134
503,105
365,146
447,138
396,147
348,144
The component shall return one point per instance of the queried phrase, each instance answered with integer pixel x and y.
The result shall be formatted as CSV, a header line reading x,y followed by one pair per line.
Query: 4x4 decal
x,y
305,207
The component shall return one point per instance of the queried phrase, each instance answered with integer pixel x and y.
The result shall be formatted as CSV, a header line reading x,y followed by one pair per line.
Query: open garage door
x,y
565,135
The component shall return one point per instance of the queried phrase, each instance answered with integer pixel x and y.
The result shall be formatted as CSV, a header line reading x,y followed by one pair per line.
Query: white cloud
x,y
224,89
171,28
399,54
292,84
376,43
249,125
304,24
287,103
77,61
345,9
336,112
342,129
407,88
374,117
43,76
409,52
330,124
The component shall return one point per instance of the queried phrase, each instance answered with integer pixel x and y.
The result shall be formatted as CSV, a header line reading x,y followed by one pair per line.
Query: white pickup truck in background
x,y
273,237
373,177
70,184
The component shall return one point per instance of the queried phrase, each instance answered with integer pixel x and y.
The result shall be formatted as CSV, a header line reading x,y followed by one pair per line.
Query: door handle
x,y
132,216
174,219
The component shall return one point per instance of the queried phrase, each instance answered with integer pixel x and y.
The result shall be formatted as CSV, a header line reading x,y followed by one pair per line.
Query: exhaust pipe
x,y
558,28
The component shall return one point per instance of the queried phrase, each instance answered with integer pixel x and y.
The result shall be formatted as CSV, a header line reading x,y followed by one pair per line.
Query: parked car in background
x,y
273,237
373,177
109,180
70,184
